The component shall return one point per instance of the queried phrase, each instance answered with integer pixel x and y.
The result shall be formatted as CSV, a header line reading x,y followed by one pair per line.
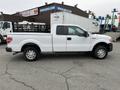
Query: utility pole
x,y
1,16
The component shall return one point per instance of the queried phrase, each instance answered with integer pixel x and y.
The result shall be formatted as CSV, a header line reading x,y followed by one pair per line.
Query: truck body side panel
x,y
44,41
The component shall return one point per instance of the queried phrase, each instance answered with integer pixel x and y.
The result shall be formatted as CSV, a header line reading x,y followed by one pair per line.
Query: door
x,y
76,40
60,39
7,28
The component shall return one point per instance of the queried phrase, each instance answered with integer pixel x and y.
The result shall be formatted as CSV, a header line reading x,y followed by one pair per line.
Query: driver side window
x,y
73,30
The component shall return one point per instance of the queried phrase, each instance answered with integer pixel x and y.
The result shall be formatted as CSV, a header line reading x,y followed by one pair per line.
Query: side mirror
x,y
86,34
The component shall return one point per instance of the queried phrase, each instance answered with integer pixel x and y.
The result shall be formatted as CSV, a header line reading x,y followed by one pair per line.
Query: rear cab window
x,y
61,30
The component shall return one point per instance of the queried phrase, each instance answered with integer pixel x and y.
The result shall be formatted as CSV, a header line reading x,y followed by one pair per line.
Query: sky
x,y
99,7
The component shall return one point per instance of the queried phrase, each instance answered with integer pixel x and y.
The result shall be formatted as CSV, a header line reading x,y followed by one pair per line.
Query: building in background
x,y
42,14
13,18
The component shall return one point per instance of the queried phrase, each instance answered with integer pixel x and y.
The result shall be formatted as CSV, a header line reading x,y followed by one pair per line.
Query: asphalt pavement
x,y
60,72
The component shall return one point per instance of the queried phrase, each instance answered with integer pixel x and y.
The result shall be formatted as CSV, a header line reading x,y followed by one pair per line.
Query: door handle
x,y
69,38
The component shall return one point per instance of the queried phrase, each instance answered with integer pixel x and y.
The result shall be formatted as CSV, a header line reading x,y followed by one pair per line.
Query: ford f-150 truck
x,y
62,38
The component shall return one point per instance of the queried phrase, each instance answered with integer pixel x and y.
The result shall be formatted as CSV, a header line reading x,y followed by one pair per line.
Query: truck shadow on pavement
x,y
1,44
71,56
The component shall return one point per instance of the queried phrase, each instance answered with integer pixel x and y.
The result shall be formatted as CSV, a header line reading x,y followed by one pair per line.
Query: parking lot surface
x,y
60,72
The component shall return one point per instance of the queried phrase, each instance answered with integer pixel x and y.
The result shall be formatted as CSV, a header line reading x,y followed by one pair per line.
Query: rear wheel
x,y
100,52
0,41
31,54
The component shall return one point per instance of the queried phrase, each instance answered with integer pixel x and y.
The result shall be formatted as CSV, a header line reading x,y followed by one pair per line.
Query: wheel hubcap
x,y
101,53
31,54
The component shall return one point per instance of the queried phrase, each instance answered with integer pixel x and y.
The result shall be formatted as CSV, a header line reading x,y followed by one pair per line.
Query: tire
x,y
100,52
30,54
0,41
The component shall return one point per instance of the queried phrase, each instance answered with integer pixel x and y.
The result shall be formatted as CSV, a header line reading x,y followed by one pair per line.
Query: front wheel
x,y
100,52
31,54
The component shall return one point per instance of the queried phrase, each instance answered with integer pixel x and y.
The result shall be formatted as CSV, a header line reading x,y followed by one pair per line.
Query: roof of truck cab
x,y
69,25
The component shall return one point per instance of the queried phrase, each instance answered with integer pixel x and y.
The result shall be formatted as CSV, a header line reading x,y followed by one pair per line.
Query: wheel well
x,y
101,44
31,45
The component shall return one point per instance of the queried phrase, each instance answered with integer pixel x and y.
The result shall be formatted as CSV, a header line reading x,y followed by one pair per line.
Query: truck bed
x,y
43,40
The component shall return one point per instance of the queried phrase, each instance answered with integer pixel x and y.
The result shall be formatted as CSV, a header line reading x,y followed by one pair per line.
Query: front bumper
x,y
110,48
8,49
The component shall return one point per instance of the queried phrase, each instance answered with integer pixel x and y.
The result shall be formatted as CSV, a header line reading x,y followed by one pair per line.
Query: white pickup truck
x,y
63,38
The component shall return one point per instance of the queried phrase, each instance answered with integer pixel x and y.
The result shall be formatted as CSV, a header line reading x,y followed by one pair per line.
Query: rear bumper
x,y
110,48
8,49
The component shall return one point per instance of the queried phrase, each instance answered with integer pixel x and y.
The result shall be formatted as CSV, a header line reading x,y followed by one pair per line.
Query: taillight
x,y
9,39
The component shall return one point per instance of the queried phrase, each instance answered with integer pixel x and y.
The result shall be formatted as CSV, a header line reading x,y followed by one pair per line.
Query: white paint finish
x,y
56,43
44,41
59,43
78,43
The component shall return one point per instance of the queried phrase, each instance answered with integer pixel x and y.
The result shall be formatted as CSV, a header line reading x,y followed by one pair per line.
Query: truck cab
x,y
5,28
